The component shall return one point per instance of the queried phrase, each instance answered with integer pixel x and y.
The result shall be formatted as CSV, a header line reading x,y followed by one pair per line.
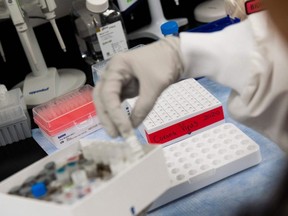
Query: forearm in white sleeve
x,y
223,56
251,58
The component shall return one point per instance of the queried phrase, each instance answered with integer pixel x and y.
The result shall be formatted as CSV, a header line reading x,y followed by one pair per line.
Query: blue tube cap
x,y
39,189
170,27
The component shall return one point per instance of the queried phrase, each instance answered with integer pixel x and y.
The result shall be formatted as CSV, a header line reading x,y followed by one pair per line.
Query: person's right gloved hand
x,y
143,72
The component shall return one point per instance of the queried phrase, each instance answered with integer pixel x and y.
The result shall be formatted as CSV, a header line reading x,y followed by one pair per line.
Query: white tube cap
x,y
97,6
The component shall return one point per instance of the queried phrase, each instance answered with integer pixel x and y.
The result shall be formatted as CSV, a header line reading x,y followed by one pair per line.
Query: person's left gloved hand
x,y
144,71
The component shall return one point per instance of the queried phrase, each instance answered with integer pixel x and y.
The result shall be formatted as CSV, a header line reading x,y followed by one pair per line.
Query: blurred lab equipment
x,y
15,122
153,29
210,11
43,83
99,29
236,8
4,14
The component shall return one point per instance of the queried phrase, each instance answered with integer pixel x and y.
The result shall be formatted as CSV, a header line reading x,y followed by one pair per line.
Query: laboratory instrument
x,y
15,122
67,118
153,30
126,192
206,158
210,11
43,83
99,29
4,14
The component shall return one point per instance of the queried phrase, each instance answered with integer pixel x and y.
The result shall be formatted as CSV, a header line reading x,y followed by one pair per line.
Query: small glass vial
x,y
170,28
62,175
15,190
99,29
90,168
81,183
29,181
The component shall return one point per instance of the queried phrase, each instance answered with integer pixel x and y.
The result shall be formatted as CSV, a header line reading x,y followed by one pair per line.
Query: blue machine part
x,y
216,25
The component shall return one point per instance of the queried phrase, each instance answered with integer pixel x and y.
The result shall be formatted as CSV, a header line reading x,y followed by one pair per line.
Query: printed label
x,y
186,127
112,39
253,6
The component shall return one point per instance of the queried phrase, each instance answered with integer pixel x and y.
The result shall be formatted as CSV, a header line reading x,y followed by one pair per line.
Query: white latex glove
x,y
144,71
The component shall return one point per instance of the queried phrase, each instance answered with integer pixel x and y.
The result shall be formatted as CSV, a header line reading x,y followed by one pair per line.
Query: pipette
x,y
2,52
48,9
17,17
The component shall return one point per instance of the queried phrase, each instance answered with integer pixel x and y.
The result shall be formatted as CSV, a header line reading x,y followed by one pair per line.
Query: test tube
x,y
116,158
54,187
69,194
29,181
62,175
90,168
80,180
50,166
15,190
136,148
71,167
25,191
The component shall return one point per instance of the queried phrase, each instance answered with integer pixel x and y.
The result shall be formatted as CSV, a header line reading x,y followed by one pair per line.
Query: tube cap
x,y
97,6
39,189
170,27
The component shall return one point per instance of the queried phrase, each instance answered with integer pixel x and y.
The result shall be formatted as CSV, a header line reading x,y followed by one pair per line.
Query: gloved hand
x,y
144,71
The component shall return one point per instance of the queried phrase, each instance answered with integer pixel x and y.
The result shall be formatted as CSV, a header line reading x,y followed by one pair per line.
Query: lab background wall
x,y
17,67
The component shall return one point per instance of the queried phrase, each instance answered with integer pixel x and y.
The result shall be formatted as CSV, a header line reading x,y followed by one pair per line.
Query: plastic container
x,y
206,158
125,194
99,29
184,109
170,28
15,122
67,118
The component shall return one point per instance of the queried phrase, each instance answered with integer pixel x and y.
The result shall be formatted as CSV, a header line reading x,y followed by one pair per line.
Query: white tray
x,y
127,193
206,158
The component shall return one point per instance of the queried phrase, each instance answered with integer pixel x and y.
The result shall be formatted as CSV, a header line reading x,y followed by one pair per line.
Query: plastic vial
x,y
80,180
170,28
62,175
54,187
15,190
50,165
29,181
99,29
90,167
25,191
72,166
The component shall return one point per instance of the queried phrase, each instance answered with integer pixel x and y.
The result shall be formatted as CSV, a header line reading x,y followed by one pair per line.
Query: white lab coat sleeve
x,y
251,58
